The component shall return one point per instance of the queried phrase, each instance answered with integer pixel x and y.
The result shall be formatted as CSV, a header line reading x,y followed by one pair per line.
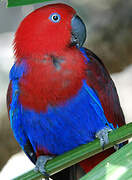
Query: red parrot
x,y
60,94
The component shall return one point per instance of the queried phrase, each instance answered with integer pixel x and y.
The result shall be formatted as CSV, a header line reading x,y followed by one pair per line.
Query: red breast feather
x,y
44,84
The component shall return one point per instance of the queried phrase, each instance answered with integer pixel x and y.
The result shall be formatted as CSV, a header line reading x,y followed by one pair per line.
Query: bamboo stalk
x,y
116,166
80,153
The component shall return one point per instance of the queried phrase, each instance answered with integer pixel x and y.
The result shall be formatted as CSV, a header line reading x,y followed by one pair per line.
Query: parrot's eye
x,y
55,17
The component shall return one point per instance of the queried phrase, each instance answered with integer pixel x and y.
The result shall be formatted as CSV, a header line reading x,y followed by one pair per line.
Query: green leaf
x,y
12,3
118,166
80,153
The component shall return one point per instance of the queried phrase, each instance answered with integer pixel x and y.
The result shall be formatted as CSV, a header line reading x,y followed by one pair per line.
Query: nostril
x,y
74,40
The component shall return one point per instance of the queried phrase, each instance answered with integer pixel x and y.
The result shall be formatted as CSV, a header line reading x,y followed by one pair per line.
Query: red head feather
x,y
37,34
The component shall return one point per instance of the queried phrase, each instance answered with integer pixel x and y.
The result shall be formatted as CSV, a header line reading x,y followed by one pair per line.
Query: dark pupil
x,y
55,18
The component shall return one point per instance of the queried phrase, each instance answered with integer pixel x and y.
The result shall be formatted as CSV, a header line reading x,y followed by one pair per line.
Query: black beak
x,y
78,31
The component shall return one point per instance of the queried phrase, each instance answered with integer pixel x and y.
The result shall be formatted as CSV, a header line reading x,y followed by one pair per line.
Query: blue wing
x,y
15,108
15,111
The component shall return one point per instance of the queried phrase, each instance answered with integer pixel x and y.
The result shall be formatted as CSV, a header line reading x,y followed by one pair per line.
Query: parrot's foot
x,y
40,165
103,136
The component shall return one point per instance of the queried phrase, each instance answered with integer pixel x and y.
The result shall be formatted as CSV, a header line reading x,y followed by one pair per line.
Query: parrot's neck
x,y
53,80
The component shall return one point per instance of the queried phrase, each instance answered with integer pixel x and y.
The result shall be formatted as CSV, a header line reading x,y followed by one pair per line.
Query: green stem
x,y
13,3
116,166
80,153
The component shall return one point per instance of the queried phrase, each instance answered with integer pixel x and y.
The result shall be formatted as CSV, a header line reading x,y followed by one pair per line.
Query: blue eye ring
x,y
55,17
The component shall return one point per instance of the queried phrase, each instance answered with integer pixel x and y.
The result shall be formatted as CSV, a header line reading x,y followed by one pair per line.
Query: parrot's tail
x,y
74,172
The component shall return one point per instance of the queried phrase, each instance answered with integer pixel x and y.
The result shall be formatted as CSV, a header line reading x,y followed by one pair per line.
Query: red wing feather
x,y
99,79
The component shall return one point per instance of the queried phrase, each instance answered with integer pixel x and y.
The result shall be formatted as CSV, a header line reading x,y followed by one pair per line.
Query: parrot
x,y
60,94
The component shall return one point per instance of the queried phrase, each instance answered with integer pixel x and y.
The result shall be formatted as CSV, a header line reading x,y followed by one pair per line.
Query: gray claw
x,y
40,165
103,136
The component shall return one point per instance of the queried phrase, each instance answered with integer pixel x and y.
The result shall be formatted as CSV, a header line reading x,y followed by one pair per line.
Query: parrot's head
x,y
49,29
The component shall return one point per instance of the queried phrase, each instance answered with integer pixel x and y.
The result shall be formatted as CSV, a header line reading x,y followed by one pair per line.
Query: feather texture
x,y
59,95
79,121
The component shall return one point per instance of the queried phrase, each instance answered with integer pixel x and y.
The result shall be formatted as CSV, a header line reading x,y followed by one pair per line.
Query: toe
x,y
102,135
40,165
